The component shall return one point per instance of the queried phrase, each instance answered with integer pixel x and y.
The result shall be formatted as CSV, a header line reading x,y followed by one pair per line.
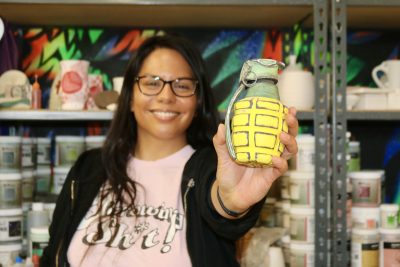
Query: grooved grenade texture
x,y
256,125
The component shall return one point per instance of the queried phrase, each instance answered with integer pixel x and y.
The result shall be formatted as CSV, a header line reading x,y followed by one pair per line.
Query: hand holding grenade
x,y
252,133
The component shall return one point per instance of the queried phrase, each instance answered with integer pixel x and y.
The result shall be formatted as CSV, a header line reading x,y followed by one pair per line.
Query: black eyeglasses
x,y
153,85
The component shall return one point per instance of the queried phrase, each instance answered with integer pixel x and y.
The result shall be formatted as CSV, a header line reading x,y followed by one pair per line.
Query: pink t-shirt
x,y
155,236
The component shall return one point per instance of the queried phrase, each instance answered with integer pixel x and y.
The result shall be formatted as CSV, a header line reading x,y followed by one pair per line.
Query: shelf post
x,y
339,128
321,133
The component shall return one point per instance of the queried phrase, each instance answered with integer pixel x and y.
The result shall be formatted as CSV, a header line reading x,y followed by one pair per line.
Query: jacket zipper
x,y
190,185
72,191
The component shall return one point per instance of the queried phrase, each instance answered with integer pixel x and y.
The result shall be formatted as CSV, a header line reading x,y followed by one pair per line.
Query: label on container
x,y
10,194
43,154
27,155
301,259
302,229
10,228
390,252
366,192
302,192
364,255
28,186
68,153
10,157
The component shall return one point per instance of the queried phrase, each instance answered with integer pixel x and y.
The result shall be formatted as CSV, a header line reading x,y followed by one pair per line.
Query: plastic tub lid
x,y
69,138
13,176
369,210
302,175
95,138
305,139
43,171
389,207
61,170
10,212
40,230
28,140
354,143
386,231
43,140
302,246
6,247
11,139
27,173
302,211
365,231
366,174
37,206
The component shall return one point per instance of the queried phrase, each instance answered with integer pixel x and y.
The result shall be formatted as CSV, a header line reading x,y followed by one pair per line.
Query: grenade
x,y
252,133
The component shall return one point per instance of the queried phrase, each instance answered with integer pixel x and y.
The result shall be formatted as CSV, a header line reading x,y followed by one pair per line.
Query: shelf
x,y
387,115
45,115
157,13
376,14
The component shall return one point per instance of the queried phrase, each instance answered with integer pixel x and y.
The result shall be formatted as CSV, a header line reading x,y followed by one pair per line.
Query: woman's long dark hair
x,y
122,135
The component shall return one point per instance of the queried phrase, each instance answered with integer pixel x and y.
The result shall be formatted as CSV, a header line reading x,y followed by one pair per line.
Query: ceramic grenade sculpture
x,y
253,123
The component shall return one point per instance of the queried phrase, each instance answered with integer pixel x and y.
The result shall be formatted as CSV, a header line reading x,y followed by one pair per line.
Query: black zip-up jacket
x,y
210,237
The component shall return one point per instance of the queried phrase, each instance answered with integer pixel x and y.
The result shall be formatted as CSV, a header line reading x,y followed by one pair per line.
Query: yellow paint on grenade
x,y
253,124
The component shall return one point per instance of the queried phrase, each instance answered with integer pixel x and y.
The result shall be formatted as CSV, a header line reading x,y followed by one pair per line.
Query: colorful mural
x,y
108,51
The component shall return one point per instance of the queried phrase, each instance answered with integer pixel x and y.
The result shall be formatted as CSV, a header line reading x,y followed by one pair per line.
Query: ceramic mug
x,y
391,74
74,84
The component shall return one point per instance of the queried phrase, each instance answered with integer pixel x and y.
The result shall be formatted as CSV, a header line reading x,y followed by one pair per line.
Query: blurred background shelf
x,y
373,115
153,13
46,115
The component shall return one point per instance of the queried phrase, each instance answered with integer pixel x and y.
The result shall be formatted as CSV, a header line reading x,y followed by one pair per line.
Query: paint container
x,y
365,217
366,188
68,149
26,207
389,216
10,154
10,225
286,214
353,162
364,247
302,255
37,217
92,142
278,211
60,173
286,249
49,208
267,215
9,251
304,160
42,180
28,160
43,151
39,240
302,224
285,183
302,188
27,185
389,247
10,190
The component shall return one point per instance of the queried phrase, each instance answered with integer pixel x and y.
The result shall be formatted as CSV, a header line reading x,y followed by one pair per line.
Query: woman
x,y
163,191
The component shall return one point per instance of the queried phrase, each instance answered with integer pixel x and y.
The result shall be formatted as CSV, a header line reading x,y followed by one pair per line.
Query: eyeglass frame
x,y
137,79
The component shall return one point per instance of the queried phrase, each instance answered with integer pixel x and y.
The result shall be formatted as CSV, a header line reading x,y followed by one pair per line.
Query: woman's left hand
x,y
240,186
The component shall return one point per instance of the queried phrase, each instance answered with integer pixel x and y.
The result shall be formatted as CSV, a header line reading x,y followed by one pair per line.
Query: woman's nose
x,y
167,93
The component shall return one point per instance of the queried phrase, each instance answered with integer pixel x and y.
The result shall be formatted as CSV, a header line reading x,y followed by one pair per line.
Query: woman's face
x,y
163,117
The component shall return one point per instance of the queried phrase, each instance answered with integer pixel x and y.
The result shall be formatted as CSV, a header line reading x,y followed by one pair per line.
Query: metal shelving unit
x,y
346,14
175,13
